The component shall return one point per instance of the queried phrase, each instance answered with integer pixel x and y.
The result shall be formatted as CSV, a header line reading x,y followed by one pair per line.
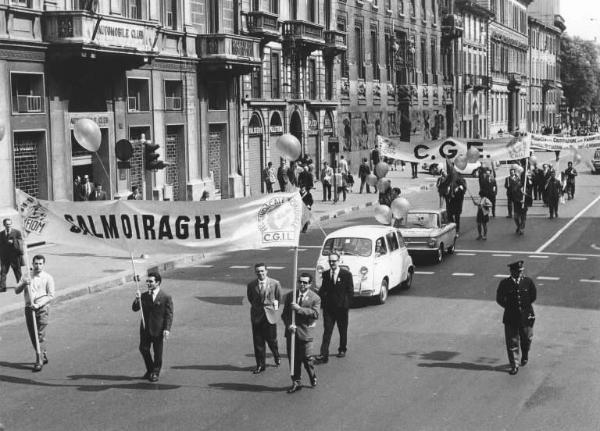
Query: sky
x,y
582,18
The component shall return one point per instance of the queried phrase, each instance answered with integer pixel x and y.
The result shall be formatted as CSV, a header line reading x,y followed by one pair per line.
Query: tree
x,y
580,72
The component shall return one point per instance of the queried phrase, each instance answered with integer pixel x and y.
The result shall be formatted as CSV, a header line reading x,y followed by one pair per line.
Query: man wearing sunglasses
x,y
157,312
307,312
336,294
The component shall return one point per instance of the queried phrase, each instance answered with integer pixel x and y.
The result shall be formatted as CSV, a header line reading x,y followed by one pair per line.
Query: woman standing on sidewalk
x,y
326,179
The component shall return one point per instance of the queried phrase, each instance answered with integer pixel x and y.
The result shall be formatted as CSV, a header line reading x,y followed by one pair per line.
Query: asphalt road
x,y
431,358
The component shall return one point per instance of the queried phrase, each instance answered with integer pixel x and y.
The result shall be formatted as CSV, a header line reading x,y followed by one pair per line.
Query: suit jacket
x,y
337,294
517,300
81,191
158,315
98,196
7,250
261,304
305,316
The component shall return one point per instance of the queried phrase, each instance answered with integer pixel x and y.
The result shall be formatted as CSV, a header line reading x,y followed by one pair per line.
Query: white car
x,y
376,256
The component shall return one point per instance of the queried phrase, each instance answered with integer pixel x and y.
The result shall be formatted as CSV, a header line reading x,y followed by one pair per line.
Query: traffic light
x,y
152,162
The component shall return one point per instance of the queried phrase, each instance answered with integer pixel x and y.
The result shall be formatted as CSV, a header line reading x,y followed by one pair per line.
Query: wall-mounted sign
x,y
327,125
275,127
313,124
255,125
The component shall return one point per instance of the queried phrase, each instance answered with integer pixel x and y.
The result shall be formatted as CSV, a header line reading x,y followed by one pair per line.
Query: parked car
x,y
596,162
471,168
430,232
376,256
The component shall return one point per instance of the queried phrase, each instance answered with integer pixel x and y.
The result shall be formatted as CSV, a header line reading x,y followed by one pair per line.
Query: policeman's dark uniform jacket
x,y
516,294
336,296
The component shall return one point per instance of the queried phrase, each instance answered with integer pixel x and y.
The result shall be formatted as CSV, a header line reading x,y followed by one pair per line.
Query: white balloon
x,y
533,160
289,145
383,184
400,207
383,214
460,162
381,169
372,180
88,134
473,155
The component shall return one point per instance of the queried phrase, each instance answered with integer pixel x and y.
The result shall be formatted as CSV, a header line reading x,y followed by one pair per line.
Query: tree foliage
x,y
580,72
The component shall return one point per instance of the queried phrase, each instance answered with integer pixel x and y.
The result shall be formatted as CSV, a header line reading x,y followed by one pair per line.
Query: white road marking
x,y
577,258
240,266
538,256
584,280
424,272
204,266
501,275
276,267
565,227
466,254
541,277
307,246
549,253
501,255
463,274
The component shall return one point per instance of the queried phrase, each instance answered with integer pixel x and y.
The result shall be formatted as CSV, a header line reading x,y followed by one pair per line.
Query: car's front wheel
x,y
452,248
383,292
406,284
439,254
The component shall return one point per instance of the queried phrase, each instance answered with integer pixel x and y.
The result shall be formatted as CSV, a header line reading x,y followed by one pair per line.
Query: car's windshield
x,y
421,220
348,246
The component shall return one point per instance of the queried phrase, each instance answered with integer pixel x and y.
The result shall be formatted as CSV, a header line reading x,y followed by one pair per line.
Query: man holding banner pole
x,y
300,316
38,291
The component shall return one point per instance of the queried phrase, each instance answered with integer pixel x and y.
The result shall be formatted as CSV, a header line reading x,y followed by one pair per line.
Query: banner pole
x,y
31,309
293,334
137,285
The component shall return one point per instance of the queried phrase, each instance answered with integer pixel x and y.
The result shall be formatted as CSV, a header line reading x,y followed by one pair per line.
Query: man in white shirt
x,y
38,293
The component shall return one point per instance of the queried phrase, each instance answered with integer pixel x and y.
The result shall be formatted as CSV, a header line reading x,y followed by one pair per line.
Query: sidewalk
x,y
80,273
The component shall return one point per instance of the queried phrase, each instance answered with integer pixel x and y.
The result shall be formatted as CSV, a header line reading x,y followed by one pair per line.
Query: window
x,y
392,241
256,83
213,16
380,247
275,79
24,3
360,55
170,18
413,9
311,13
329,80
89,5
173,95
27,92
375,52
132,9
217,96
424,70
423,10
389,56
293,9
296,80
434,65
138,95
274,6
312,78
345,69
352,246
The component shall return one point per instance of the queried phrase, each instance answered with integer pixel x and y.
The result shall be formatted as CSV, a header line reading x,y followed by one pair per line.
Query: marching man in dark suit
x,y
264,295
307,307
157,312
516,294
11,252
336,294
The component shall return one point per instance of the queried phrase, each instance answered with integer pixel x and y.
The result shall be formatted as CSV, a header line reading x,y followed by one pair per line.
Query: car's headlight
x,y
431,242
364,271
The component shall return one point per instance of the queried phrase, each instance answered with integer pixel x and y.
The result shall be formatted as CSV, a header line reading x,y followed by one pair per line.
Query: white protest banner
x,y
434,152
155,227
553,143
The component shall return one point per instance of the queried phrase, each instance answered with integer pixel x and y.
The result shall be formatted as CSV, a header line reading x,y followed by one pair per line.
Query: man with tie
x,y
11,252
264,295
86,189
155,327
98,194
336,294
306,308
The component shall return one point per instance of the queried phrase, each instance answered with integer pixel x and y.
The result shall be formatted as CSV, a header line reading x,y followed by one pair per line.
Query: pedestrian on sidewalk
x,y
308,201
269,177
306,307
305,178
264,295
11,252
155,328
516,294
363,171
414,166
375,158
282,176
341,184
553,192
326,179
38,292
336,294
484,206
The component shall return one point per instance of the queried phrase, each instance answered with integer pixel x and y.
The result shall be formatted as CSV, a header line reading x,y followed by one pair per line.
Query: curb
x,y
336,214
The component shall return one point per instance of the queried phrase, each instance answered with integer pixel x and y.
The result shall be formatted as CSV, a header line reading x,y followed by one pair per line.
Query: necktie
x,y
300,299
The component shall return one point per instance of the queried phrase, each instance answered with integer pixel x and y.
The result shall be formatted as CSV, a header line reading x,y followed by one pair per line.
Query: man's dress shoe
x,y
296,386
154,377
258,370
513,371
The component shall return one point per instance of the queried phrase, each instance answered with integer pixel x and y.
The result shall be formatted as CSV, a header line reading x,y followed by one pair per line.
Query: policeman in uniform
x,y
516,294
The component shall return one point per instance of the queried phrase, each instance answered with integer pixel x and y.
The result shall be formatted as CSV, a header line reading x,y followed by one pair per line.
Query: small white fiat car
x,y
376,256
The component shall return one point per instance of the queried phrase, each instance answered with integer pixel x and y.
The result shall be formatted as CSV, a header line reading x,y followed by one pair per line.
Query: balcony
x,y
468,81
303,35
264,25
548,84
559,22
29,104
452,26
335,42
173,103
480,82
228,52
514,80
74,32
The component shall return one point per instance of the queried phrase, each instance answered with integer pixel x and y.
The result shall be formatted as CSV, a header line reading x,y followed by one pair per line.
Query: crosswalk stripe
x,y
501,275
465,254
204,266
577,258
276,267
537,256
424,272
583,280
541,277
502,255
463,274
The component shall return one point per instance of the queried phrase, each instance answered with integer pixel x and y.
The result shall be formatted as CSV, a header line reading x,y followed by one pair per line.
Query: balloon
x,y
400,207
533,160
383,214
382,185
473,155
577,159
87,134
372,180
460,162
381,169
289,145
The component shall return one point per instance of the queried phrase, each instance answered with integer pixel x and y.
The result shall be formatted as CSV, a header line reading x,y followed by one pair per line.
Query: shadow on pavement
x,y
91,255
222,300
245,387
17,365
91,388
469,366
224,367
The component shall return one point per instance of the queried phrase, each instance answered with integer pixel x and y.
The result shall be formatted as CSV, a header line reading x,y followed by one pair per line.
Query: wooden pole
x,y
33,315
293,334
137,285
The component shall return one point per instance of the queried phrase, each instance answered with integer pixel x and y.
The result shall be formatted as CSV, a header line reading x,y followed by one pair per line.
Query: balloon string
x,y
103,168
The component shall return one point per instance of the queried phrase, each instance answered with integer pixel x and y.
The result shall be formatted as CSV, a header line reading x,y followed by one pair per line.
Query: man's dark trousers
x,y
331,316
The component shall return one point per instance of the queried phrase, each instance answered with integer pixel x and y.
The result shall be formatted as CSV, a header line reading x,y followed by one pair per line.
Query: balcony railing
x,y
335,42
304,34
468,80
29,103
452,26
481,82
265,25
515,78
173,103
229,51
132,104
